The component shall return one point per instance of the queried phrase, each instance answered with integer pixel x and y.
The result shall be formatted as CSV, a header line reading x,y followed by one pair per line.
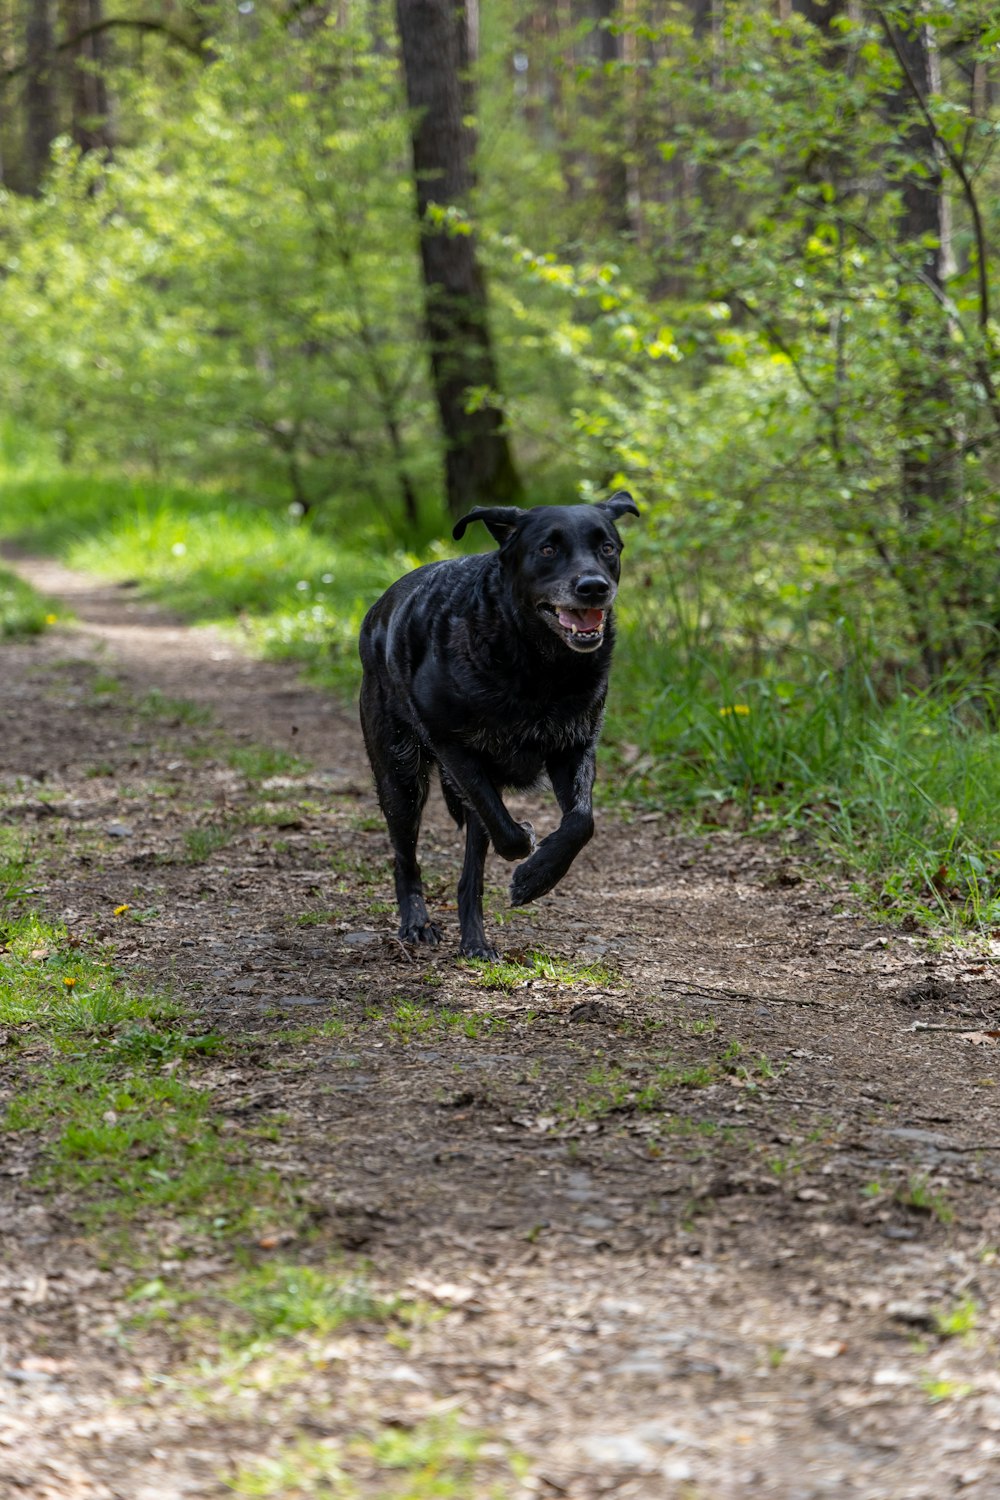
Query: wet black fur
x,y
462,671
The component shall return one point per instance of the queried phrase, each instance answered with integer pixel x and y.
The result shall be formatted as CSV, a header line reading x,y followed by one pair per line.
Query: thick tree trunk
x,y
435,38
41,124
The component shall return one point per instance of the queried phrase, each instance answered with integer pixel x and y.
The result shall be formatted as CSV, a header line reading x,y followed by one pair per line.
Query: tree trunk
x,y
41,126
435,37
91,114
930,466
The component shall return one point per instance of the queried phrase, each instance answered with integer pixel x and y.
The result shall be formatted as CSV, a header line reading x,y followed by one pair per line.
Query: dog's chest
x,y
522,736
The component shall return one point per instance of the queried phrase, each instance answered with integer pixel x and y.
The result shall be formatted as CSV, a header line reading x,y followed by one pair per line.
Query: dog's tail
x,y
454,802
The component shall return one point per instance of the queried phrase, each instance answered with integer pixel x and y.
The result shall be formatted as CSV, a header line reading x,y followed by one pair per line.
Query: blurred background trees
x,y
737,257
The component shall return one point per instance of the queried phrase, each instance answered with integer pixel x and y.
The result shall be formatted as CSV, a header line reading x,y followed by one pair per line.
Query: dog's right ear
x,y
500,520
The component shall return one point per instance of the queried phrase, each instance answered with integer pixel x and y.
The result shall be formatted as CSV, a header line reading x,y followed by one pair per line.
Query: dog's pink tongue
x,y
582,619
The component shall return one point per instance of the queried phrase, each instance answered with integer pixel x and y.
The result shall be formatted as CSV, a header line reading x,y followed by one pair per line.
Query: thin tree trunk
x,y
930,465
41,126
435,41
92,128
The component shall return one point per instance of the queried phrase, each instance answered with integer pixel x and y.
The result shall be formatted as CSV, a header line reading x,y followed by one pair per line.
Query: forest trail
x,y
717,1219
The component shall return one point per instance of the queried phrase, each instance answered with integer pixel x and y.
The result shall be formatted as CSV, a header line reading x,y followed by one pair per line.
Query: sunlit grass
x,y
904,789
113,1097
513,974
23,612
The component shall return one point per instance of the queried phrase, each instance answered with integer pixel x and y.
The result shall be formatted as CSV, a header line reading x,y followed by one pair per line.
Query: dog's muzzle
x,y
582,628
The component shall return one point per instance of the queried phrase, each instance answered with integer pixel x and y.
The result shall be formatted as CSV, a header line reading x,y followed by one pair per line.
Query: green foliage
x,y
238,291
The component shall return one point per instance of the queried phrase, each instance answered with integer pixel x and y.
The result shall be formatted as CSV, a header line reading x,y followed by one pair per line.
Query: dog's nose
x,y
593,587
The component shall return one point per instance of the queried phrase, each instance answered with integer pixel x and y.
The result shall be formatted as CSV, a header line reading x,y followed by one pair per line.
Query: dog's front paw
x,y
528,882
427,933
478,949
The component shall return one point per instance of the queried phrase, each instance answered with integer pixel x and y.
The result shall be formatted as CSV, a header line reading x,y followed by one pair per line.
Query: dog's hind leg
x,y
470,891
402,803
402,781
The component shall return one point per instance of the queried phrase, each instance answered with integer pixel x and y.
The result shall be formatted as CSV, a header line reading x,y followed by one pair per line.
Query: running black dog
x,y
495,669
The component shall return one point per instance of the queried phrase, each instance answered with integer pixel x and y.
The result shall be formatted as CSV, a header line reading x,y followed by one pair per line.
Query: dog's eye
x,y
547,550
608,549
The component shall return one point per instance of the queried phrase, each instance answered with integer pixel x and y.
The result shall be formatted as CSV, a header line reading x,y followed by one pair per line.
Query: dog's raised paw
x,y
520,846
527,884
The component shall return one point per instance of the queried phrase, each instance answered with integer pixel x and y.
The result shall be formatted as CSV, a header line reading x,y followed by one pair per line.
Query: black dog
x,y
494,668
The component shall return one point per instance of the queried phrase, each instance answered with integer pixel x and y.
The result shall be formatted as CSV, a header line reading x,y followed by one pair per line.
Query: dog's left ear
x,y
500,520
619,504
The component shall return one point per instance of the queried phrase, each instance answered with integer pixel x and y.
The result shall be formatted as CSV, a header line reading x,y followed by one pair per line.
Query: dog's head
x,y
561,562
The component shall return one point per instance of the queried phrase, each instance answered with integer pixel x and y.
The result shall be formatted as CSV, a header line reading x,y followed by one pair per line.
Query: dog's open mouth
x,y
582,629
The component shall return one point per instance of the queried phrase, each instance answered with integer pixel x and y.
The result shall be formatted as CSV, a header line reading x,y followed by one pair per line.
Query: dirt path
x,y
663,1264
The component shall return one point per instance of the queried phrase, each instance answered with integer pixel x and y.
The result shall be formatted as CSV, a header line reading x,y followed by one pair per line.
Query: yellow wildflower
x,y
121,910
735,708
69,982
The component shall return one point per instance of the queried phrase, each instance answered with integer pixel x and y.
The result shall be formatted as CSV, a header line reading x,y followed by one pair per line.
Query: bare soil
x,y
734,1287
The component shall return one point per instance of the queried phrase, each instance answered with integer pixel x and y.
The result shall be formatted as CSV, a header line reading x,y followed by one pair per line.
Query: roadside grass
x,y
900,787
23,612
112,1101
292,590
266,1342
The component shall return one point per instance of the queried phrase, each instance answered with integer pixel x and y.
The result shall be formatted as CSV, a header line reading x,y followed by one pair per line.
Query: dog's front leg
x,y
572,777
510,839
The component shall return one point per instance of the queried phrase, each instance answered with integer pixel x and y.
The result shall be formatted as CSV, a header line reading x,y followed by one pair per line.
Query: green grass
x,y
959,1320
433,1459
262,1334
294,591
900,787
23,612
409,1022
512,974
112,1101
202,842
282,1300
610,1089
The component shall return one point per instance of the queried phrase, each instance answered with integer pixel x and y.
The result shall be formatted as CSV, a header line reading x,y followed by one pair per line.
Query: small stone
x,y
360,939
118,831
618,1451
914,1314
588,1010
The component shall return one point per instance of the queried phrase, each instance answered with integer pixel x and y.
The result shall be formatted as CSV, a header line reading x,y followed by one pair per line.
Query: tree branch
x,y
189,44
